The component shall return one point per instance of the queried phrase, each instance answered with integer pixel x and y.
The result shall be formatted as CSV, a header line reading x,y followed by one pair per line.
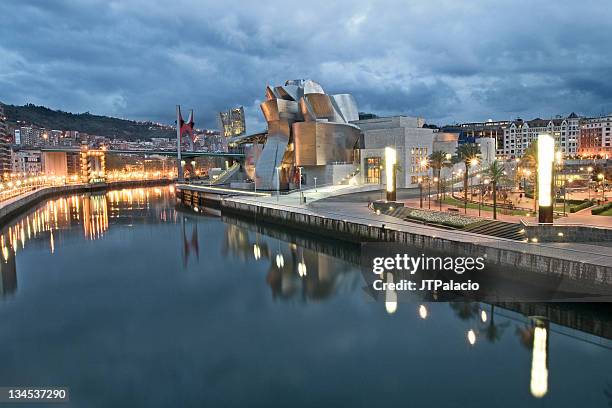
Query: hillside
x,y
43,117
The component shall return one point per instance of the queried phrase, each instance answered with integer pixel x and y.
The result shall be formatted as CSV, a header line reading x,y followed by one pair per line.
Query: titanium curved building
x,y
309,134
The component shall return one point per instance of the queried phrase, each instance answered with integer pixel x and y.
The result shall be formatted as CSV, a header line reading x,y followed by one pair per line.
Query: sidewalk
x,y
361,214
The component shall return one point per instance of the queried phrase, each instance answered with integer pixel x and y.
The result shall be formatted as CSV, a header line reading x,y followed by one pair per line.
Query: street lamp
x,y
420,180
436,180
546,152
300,176
428,193
390,162
278,183
589,170
315,181
601,178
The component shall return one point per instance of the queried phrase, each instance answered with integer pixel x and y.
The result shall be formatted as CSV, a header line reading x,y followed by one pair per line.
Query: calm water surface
x,y
130,302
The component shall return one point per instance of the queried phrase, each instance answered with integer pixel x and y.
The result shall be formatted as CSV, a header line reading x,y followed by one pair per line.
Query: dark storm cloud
x,y
442,59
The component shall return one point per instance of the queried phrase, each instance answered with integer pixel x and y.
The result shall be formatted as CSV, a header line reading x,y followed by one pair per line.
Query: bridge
x,y
173,153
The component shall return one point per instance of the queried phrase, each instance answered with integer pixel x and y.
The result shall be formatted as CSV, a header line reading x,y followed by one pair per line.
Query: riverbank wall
x,y
577,271
17,205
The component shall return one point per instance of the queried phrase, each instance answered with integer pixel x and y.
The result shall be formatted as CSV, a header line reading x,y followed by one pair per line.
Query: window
x,y
373,170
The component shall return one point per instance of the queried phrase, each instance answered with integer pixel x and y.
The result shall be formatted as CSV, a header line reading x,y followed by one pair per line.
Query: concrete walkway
x,y
360,213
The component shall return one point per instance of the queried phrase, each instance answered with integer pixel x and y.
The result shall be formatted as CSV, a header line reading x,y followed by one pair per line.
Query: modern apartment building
x,y
596,137
5,147
27,162
469,132
520,134
232,123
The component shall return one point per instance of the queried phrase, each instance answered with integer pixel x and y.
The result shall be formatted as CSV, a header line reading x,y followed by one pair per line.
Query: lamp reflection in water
x,y
539,360
483,316
302,269
49,220
423,312
95,216
471,337
390,296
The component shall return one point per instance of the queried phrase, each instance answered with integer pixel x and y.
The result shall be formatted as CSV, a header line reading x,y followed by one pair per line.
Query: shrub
x,y
601,208
585,204
436,217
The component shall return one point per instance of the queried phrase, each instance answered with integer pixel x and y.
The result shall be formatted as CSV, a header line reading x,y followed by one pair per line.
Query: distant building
x,y
596,137
470,132
412,142
232,122
27,162
5,147
445,142
520,134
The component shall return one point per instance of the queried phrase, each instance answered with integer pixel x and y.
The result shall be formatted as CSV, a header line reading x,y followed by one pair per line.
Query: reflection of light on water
x,y
423,312
302,269
280,261
59,213
390,297
539,371
483,316
52,242
5,251
95,216
471,337
256,251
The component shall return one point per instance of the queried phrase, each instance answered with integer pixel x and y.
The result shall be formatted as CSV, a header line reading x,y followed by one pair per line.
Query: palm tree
x,y
495,172
467,153
530,159
437,160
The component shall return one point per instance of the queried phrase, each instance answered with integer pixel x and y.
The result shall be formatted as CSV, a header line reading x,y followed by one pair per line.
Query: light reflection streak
x,y
93,211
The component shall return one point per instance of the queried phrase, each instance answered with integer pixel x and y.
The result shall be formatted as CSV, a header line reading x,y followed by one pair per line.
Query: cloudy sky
x,y
446,60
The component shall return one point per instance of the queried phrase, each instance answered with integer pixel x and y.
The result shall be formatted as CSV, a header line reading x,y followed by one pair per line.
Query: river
x,y
130,301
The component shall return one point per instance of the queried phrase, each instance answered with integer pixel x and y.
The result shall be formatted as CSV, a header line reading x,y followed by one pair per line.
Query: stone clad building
x,y
412,142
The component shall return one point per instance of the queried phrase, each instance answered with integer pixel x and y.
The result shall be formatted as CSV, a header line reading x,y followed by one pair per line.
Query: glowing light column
x,y
390,163
546,159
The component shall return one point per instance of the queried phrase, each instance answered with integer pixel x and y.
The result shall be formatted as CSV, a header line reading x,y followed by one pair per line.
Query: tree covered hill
x,y
44,117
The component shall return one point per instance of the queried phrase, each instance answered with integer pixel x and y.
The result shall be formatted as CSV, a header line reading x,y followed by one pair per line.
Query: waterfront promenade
x,y
578,261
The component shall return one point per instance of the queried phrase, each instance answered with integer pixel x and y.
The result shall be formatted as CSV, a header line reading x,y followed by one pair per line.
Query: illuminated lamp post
x,y
423,163
589,170
546,158
420,180
278,183
300,177
601,178
390,163
428,193
436,180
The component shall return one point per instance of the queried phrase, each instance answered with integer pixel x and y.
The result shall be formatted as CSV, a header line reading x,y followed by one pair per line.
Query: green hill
x,y
44,117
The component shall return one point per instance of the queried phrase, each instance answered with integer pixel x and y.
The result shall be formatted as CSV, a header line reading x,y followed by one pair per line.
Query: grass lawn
x,y
459,204
607,213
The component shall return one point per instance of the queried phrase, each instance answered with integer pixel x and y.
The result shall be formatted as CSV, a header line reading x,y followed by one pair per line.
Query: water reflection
x,y
90,212
301,270
293,272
